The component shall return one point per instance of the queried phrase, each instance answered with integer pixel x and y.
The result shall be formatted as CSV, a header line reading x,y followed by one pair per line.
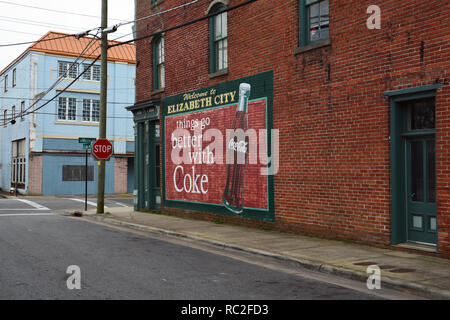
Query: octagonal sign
x,y
102,149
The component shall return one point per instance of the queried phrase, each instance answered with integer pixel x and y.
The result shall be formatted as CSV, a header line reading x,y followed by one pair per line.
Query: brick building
x,y
362,112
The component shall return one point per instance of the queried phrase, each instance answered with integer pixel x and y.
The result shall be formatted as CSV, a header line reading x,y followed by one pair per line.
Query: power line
x,y
62,77
37,41
17,98
156,14
54,10
36,23
15,31
183,24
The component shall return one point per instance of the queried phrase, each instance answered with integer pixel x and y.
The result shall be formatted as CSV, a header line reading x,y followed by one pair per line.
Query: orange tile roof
x,y
71,46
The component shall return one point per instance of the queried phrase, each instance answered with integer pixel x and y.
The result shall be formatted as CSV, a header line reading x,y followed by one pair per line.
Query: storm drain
x,y
402,270
364,263
389,268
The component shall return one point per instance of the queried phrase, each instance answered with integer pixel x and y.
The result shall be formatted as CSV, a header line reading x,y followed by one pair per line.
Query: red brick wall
x,y
35,175
334,177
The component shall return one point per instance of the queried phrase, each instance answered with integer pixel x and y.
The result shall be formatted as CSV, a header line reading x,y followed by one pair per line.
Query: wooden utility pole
x,y
102,123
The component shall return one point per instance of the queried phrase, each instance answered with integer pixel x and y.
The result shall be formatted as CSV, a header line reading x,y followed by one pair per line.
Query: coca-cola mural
x,y
219,152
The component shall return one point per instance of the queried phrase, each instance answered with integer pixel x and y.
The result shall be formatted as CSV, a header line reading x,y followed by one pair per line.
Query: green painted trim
x,y
213,67
409,91
303,24
212,49
155,64
398,130
419,133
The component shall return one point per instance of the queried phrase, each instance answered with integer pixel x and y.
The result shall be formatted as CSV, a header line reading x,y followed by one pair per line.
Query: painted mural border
x,y
265,78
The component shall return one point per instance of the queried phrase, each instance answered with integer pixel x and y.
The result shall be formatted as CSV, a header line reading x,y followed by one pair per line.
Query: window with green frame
x,y
314,21
218,26
158,63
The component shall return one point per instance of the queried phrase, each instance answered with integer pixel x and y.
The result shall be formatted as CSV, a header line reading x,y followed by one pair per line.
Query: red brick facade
x,y
35,175
329,103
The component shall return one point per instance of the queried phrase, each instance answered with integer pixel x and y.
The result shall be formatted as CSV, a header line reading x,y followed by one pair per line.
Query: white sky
x,y
21,24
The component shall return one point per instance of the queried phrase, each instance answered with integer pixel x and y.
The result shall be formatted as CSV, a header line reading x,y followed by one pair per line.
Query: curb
x,y
304,263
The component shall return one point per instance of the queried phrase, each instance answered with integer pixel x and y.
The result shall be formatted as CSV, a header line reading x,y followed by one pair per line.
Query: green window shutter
x,y
303,24
213,54
155,65
212,47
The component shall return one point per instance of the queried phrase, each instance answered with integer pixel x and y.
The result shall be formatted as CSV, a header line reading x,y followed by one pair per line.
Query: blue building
x,y
39,151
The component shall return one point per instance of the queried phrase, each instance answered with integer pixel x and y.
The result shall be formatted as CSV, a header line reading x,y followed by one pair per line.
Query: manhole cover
x,y
402,270
367,263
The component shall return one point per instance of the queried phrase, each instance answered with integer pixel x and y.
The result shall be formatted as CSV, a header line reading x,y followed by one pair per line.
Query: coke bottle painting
x,y
237,154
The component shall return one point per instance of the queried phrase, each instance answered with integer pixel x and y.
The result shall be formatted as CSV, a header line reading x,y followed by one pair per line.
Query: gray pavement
x,y
414,272
36,251
401,270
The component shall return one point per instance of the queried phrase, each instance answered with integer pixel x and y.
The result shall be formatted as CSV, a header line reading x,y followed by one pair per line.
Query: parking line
x,y
33,204
120,204
26,214
89,202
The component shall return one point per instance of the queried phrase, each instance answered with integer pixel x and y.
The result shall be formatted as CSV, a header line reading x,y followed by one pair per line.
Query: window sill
x,y
218,73
74,123
157,91
313,46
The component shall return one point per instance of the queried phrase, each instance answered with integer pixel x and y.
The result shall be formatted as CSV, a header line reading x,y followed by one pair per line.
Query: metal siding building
x,y
49,136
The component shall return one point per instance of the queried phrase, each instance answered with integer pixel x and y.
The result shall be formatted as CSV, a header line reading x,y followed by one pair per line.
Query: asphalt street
x,y
37,247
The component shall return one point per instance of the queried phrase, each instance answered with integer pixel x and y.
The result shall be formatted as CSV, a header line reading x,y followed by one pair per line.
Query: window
x,y
314,21
5,115
67,70
77,173
18,163
91,110
14,78
13,113
218,40
92,73
158,63
22,109
6,83
67,108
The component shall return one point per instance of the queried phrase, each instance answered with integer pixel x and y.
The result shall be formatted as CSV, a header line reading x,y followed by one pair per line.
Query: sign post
x,y
86,145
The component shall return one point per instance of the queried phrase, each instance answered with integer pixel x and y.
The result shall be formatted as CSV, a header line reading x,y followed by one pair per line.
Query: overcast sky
x,y
19,22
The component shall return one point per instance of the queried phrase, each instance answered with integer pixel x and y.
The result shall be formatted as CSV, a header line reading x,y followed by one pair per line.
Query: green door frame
x,y
397,153
145,114
424,208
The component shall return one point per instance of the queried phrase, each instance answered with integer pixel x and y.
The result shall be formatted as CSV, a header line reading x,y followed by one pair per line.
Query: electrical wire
x,y
22,99
208,16
141,38
156,14
54,10
26,112
38,41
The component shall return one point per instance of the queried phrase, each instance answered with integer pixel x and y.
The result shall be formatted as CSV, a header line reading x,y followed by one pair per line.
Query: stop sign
x,y
102,149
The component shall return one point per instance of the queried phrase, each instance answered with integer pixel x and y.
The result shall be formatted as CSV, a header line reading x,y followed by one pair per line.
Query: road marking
x,y
23,209
33,204
89,202
26,214
120,204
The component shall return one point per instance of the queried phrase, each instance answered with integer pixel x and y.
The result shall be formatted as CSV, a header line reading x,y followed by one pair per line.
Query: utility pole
x,y
102,123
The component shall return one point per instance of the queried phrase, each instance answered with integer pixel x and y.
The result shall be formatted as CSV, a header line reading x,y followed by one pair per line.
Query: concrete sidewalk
x,y
400,270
